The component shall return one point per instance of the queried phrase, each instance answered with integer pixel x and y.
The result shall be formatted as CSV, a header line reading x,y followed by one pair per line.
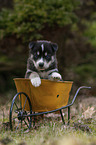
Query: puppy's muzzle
x,y
41,65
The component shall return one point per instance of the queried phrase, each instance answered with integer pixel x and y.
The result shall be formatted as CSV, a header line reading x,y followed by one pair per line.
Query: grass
x,y
51,131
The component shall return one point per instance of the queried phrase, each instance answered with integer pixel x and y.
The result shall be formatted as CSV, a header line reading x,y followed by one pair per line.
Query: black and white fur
x,y
42,62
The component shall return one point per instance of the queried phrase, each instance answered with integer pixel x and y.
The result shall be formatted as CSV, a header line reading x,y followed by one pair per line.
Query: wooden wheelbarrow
x,y
31,101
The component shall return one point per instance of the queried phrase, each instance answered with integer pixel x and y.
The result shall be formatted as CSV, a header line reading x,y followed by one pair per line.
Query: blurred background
x,y
69,23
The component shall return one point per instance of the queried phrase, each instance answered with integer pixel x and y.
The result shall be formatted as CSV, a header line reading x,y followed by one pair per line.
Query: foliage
x,y
29,17
85,72
90,33
69,23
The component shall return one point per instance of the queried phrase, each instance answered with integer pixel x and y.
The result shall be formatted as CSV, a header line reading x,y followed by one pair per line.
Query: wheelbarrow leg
x,y
34,120
62,117
68,115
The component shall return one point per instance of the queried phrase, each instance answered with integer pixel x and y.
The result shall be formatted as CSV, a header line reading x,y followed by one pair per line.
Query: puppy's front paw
x,y
55,76
36,82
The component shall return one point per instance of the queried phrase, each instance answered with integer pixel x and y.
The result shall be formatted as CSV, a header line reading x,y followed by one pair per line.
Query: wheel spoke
x,y
16,105
20,101
15,118
17,110
24,105
26,123
28,119
17,125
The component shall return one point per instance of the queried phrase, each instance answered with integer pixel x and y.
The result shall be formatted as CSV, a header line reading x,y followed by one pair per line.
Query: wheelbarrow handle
x,y
78,90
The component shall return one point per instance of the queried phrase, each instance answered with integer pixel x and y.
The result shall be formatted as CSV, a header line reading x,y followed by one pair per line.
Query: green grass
x,y
51,131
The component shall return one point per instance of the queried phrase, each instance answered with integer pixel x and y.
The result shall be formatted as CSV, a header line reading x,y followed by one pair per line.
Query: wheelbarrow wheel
x,y
19,118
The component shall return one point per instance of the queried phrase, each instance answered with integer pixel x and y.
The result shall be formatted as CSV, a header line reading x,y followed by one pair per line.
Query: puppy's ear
x,y
54,46
31,44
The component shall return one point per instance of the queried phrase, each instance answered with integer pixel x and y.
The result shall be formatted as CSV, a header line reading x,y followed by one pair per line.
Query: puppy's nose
x,y
41,64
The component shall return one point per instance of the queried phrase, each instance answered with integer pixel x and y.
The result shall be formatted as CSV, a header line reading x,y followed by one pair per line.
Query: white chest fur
x,y
43,74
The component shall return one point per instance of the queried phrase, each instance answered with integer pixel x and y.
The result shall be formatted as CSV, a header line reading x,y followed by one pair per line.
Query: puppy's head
x,y
42,53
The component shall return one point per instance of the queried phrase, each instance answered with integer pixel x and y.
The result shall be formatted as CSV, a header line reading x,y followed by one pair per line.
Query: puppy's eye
x,y
38,53
47,56
45,53
35,56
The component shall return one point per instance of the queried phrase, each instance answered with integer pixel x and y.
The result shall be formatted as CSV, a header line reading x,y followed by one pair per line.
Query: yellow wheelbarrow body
x,y
50,95
31,101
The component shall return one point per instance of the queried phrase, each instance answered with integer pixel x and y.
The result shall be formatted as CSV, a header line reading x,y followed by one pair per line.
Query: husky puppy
x,y
42,62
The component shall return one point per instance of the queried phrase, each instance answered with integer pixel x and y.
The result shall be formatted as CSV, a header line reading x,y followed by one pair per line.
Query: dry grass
x,y
51,131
